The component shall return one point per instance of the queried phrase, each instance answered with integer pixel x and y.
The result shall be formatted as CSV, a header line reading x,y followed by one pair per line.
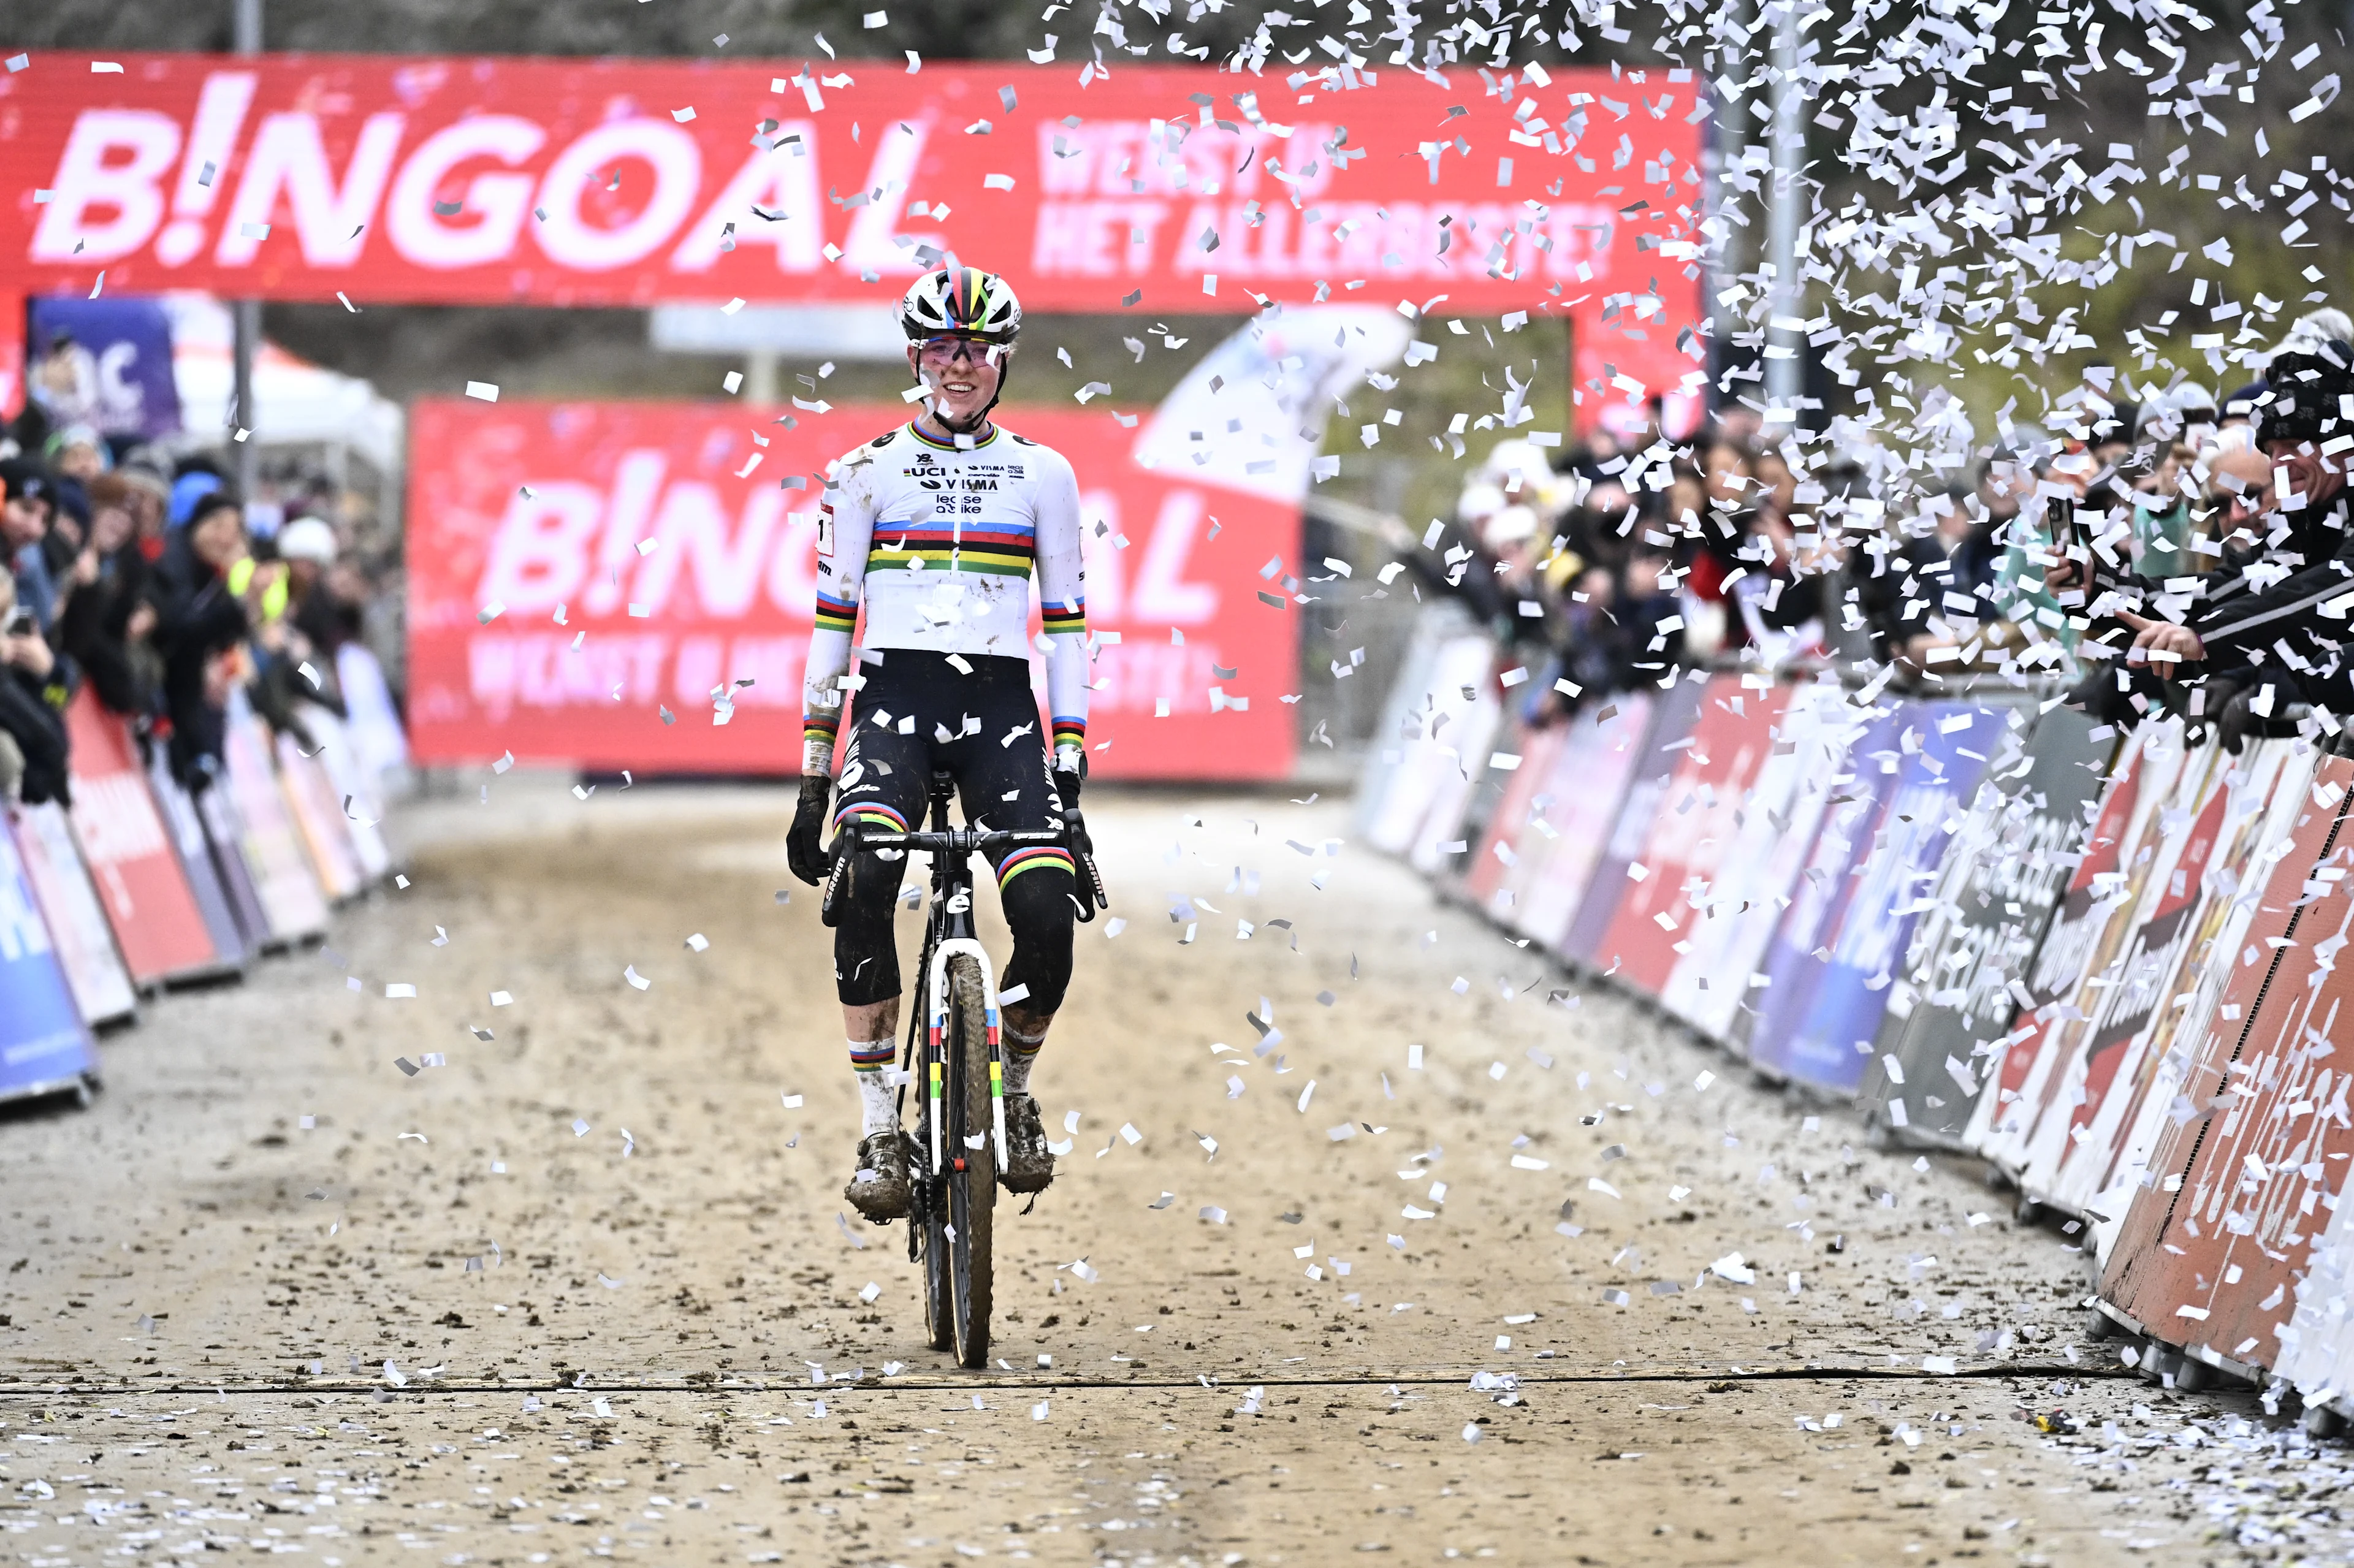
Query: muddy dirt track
x,y
583,1285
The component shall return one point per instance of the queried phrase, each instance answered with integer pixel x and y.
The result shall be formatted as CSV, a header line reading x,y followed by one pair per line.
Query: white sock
x,y
1021,1056
878,1102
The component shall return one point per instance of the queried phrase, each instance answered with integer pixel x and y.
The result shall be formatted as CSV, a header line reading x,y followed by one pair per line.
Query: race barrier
x,y
139,885
2106,964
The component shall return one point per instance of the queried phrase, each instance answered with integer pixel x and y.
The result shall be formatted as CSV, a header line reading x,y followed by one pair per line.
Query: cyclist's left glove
x,y
804,852
1090,894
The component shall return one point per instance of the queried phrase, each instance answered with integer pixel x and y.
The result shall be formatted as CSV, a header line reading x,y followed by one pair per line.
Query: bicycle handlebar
x,y
956,840
854,838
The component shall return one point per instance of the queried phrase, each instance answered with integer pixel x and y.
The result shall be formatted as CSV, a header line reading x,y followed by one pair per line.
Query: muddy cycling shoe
x,y
882,1190
1029,1163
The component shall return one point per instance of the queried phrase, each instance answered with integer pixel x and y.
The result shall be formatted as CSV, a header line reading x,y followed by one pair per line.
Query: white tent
x,y
295,402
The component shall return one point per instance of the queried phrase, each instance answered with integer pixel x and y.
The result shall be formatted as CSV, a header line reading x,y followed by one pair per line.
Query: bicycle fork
x,y
935,983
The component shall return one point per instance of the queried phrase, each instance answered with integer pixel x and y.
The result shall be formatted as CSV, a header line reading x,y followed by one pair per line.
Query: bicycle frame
x,y
948,935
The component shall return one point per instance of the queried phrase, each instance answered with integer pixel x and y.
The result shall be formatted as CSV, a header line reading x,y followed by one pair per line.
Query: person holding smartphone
x,y
2242,613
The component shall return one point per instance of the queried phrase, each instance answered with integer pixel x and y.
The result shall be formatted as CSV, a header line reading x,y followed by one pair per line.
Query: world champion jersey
x,y
935,545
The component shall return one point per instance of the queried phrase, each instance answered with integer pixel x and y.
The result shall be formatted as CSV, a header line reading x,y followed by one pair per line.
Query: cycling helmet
x,y
961,300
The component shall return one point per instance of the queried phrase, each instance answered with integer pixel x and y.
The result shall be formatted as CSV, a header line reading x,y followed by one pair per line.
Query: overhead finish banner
x,y
612,181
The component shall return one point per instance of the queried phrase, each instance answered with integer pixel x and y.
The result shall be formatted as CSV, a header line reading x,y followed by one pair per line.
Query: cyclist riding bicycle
x,y
934,530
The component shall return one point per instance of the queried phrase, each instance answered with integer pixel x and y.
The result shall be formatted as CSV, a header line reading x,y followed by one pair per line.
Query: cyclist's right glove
x,y
804,854
1066,794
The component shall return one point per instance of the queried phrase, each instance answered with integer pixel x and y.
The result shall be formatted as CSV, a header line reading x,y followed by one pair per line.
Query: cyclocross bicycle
x,y
953,1058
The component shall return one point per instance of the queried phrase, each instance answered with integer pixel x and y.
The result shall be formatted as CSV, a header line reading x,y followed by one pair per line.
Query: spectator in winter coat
x,y
32,734
209,593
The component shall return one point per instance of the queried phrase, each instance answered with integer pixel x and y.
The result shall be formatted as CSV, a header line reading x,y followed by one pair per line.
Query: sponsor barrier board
x,y
1587,784
2208,1255
161,932
44,1045
1673,714
1773,829
85,947
2083,938
266,836
1691,830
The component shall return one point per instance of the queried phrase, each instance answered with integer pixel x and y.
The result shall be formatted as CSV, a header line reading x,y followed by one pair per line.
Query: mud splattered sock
x,y
878,1102
1020,1052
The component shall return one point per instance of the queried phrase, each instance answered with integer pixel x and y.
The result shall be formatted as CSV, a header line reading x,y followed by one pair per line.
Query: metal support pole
x,y
246,314
760,377
1784,372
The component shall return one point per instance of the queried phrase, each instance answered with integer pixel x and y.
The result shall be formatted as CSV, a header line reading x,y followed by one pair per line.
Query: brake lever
x,y
1093,884
829,912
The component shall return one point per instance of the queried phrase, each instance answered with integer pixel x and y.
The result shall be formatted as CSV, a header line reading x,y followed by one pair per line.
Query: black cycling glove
x,y
804,852
1066,789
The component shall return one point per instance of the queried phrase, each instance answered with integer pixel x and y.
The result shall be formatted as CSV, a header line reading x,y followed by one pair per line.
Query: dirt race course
x,y
582,1285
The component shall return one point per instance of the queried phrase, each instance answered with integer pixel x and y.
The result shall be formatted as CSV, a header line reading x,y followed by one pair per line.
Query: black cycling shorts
x,y
916,713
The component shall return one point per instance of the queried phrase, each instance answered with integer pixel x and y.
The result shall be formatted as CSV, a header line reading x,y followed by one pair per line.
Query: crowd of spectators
x,y
147,580
2174,548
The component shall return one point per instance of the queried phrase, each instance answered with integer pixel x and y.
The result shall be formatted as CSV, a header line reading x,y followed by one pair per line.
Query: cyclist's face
x,y
962,374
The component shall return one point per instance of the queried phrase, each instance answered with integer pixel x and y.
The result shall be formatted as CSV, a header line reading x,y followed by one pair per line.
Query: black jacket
x,y
196,620
40,733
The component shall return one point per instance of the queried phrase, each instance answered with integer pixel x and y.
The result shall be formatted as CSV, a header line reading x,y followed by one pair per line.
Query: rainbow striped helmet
x,y
961,300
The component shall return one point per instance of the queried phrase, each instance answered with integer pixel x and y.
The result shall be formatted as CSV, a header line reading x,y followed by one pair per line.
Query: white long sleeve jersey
x,y
936,544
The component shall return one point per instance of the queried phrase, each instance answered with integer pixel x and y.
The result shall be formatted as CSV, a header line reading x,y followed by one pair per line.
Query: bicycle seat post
x,y
943,790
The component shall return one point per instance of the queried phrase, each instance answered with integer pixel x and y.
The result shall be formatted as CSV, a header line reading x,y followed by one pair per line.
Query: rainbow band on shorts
x,y
1042,858
870,814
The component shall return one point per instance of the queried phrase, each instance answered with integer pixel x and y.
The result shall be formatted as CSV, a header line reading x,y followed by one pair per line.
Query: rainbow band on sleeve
x,y
1070,731
821,728
1042,858
836,614
1065,619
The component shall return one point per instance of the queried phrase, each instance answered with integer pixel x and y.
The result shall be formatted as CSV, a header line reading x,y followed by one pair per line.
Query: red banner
x,y
629,182
655,591
131,863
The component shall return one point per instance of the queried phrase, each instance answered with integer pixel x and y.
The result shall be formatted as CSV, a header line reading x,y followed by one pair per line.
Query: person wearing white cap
x,y
308,541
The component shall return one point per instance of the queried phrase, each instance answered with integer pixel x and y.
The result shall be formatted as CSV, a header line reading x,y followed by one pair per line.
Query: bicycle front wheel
x,y
972,1150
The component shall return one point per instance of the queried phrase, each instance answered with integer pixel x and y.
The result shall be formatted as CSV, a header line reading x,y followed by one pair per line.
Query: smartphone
x,y
2060,522
20,624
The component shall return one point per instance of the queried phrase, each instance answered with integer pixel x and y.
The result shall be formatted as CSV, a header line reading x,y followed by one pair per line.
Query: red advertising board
x,y
1513,824
138,880
626,182
1694,828
542,509
2209,1253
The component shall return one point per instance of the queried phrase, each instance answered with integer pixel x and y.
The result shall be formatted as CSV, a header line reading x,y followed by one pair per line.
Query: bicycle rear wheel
x,y
971,1171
